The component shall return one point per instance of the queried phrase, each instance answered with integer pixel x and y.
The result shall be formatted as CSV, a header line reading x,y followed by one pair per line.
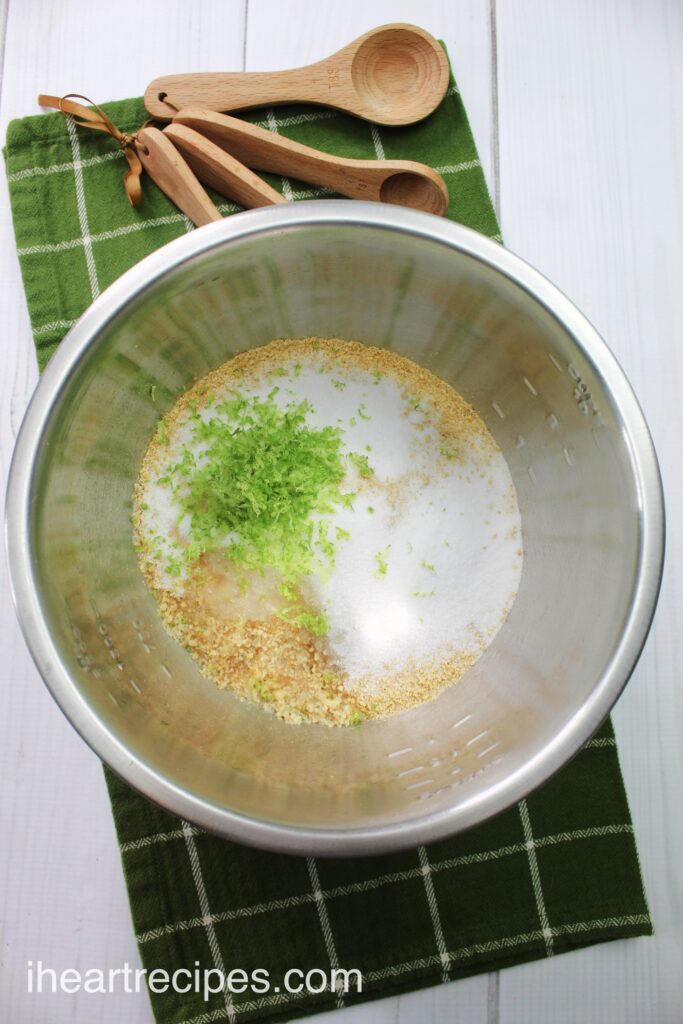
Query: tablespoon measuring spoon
x,y
393,75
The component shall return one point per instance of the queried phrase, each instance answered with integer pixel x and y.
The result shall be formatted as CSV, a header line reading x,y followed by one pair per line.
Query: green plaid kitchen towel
x,y
557,872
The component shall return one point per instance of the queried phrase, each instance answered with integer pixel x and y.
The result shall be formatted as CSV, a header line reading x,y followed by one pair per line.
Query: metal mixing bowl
x,y
551,393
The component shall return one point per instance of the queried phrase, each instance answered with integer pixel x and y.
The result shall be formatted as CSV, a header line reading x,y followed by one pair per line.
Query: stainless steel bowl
x,y
549,390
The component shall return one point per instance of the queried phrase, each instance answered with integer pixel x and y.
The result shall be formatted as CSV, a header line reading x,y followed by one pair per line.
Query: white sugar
x,y
451,549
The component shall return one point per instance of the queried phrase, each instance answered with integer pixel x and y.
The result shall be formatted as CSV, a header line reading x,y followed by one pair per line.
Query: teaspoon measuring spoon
x,y
404,182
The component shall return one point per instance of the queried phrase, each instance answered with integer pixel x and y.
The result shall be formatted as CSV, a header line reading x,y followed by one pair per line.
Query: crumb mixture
x,y
330,530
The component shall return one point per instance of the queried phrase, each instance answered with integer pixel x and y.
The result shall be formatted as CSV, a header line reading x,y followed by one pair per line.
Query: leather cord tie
x,y
94,117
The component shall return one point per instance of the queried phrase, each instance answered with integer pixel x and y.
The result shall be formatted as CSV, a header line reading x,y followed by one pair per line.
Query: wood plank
x,y
109,52
591,150
64,899
286,35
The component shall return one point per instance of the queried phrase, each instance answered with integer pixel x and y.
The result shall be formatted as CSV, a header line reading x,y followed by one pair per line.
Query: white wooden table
x,y
577,110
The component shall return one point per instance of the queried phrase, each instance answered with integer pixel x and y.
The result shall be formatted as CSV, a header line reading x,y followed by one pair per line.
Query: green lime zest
x,y
262,690
381,562
362,465
318,625
162,434
258,484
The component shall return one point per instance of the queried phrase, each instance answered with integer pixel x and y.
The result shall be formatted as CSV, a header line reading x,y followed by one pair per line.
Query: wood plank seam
x,y
245,23
495,135
4,16
493,991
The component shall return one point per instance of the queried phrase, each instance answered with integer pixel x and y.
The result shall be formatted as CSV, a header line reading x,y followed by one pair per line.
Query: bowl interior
x,y
543,400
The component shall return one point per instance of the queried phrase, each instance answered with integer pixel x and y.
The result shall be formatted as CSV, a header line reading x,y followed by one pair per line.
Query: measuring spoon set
x,y
393,75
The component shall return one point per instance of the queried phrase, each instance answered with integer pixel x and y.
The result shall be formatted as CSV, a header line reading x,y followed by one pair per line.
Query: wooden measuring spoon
x,y
404,182
393,75
220,170
166,167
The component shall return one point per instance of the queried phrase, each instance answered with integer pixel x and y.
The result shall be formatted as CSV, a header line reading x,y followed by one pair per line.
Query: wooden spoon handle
x,y
401,181
220,170
166,167
265,151
234,90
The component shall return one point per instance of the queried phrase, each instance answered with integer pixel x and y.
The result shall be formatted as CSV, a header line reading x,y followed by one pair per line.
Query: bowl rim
x,y
425,827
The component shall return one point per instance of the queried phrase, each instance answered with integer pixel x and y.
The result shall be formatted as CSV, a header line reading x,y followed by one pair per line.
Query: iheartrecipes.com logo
x,y
41,980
